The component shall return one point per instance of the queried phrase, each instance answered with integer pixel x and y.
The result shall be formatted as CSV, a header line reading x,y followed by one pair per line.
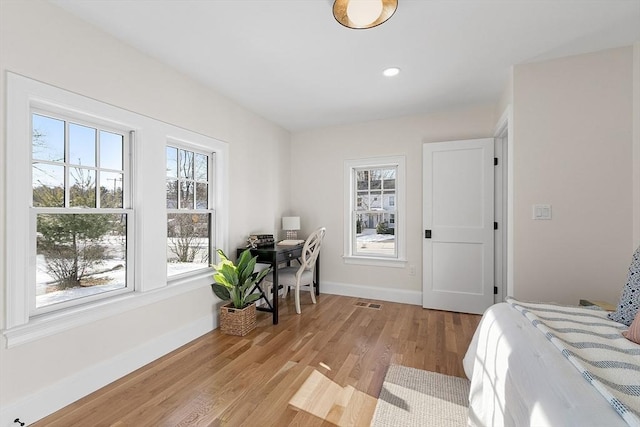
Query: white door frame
x,y
503,134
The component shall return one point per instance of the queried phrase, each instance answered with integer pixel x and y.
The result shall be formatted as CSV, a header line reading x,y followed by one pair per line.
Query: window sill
x,y
53,323
375,261
195,275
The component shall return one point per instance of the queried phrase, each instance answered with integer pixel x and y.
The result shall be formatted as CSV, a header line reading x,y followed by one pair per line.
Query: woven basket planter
x,y
237,321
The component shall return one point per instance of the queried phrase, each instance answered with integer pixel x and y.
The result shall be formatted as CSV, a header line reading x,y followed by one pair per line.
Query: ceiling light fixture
x,y
392,71
361,14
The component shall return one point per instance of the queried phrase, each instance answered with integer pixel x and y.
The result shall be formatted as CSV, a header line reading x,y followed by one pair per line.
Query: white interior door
x,y
458,205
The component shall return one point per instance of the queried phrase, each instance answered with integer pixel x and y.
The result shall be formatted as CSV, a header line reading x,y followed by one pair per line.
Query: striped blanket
x,y
595,346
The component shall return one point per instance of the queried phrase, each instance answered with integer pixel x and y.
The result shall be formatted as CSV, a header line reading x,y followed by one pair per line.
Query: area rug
x,y
413,397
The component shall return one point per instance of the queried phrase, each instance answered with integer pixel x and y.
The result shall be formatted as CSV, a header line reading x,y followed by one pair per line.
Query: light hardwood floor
x,y
323,367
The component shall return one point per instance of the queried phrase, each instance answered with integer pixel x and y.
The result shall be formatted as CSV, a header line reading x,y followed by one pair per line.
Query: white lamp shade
x,y
291,223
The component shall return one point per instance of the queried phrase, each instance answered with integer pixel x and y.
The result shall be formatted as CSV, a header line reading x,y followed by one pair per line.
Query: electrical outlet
x,y
412,270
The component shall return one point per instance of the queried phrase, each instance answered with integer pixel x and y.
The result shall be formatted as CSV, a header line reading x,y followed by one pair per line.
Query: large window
x,y
375,219
189,210
80,210
86,196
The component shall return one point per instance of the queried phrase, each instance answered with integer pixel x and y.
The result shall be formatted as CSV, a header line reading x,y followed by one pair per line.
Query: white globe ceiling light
x,y
364,12
361,14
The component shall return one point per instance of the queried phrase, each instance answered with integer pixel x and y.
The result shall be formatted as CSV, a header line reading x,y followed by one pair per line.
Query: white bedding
x,y
518,378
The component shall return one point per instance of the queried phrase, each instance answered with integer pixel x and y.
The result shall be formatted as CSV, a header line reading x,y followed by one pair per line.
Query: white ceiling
x,y
292,63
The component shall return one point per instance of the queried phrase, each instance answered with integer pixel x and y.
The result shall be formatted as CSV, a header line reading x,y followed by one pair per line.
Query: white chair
x,y
303,274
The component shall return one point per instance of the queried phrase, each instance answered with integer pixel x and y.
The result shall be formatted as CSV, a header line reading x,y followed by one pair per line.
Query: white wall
x,y
318,190
40,41
573,150
506,97
572,126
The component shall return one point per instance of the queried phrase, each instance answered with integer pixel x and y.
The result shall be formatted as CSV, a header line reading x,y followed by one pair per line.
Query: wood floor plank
x,y
338,350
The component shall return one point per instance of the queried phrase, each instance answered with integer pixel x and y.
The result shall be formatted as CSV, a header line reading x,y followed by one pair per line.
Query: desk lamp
x,y
291,224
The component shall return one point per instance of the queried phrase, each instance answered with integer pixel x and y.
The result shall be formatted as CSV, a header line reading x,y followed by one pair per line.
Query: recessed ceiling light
x,y
390,72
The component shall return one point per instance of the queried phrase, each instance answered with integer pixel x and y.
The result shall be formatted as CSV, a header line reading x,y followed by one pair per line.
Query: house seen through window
x,y
375,212
374,217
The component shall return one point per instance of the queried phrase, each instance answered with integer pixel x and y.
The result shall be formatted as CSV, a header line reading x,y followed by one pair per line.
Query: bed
x,y
526,370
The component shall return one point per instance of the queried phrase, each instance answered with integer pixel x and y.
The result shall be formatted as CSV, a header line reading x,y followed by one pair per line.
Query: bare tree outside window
x,y
188,237
189,216
78,245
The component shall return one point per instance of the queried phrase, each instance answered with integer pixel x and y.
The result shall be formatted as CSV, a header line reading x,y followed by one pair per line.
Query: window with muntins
x,y
80,211
85,221
189,210
374,214
375,219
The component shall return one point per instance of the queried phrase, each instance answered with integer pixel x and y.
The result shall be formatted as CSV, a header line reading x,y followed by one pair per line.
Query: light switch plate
x,y
542,212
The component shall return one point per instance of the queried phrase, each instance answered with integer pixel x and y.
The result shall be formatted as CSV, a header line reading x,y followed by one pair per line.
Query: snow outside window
x,y
85,209
80,211
374,221
189,210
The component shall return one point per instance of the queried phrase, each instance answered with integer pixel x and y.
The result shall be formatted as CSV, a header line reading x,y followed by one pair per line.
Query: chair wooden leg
x,y
313,294
298,299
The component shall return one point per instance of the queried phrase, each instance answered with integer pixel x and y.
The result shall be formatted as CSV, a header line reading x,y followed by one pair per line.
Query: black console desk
x,y
275,255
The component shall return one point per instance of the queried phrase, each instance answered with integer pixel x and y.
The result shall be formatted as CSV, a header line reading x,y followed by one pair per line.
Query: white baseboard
x,y
362,291
47,401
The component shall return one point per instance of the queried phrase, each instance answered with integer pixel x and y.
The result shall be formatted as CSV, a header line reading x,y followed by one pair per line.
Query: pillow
x,y
633,334
630,299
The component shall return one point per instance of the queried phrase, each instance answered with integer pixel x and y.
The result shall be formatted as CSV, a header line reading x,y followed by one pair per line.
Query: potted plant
x,y
234,283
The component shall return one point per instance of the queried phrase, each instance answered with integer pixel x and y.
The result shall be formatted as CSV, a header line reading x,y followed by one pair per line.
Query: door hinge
x,y
495,290
495,161
427,234
495,225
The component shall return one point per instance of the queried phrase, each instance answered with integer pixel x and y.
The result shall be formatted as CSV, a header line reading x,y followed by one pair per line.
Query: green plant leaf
x,y
223,260
235,281
221,280
236,298
221,292
245,265
230,274
262,274
244,258
245,288
247,270
222,255
251,298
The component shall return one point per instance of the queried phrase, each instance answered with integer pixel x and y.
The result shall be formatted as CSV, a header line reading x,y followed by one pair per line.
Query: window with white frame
x,y
374,221
80,210
84,212
189,209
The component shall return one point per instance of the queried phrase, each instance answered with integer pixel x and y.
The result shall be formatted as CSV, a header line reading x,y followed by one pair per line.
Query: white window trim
x,y
126,210
400,232
213,202
22,95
